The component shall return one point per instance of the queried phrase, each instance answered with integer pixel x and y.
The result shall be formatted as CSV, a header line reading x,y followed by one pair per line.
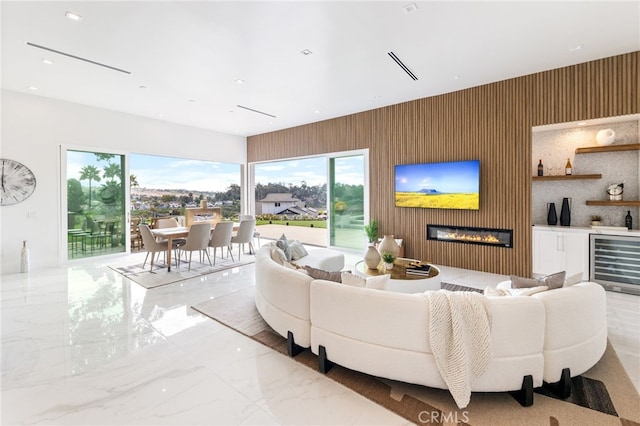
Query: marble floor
x,y
81,345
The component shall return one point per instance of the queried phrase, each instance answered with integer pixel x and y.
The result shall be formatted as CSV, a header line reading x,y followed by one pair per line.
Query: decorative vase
x,y
605,137
389,245
372,257
388,266
24,258
552,216
565,213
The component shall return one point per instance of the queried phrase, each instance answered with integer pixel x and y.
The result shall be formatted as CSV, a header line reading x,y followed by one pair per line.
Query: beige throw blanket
x,y
460,338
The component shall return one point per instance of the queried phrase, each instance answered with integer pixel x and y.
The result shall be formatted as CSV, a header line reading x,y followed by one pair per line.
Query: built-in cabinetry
x,y
202,214
560,249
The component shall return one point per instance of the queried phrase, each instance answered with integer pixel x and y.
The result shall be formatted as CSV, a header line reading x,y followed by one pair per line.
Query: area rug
x,y
159,276
423,405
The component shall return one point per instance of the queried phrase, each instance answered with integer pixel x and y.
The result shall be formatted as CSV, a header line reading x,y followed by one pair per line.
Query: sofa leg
x,y
562,388
292,348
525,395
324,365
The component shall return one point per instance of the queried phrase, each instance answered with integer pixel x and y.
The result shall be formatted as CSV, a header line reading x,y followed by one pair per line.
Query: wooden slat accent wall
x,y
491,123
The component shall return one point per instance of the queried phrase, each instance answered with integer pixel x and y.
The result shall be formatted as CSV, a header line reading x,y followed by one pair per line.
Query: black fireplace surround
x,y
460,234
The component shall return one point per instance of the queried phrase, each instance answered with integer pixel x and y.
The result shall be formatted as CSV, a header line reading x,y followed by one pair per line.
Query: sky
x,y
452,177
158,172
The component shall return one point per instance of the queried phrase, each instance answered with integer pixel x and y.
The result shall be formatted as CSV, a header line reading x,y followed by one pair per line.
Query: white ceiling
x,y
188,55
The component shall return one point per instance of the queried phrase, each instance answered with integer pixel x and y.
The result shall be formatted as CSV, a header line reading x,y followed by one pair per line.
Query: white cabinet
x,y
556,250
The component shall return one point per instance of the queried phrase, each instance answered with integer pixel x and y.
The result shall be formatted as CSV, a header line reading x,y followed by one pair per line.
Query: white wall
x,y
34,128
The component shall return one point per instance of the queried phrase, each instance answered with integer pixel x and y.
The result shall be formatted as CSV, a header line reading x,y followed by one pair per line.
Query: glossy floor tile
x,y
83,345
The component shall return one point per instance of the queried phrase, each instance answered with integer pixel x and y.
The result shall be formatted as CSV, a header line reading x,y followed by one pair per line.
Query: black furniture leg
x,y
562,388
324,365
292,348
525,395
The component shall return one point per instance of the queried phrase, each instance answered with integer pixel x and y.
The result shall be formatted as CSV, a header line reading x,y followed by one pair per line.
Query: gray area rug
x,y
159,276
604,395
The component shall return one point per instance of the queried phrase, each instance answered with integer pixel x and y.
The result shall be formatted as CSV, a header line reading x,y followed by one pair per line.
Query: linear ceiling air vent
x,y
77,57
256,111
403,66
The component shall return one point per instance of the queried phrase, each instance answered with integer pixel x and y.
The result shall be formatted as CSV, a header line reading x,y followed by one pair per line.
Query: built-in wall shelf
x,y
609,148
630,203
567,177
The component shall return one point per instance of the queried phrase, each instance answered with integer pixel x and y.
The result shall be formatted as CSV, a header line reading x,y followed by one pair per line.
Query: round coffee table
x,y
400,281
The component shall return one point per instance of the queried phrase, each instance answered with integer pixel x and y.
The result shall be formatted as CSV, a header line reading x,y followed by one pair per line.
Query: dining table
x,y
171,234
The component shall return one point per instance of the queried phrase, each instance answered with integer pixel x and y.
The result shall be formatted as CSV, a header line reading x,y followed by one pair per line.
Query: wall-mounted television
x,y
452,185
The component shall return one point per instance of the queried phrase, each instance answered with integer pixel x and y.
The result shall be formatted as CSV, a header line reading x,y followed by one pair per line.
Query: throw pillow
x,y
573,279
319,274
297,250
495,292
377,283
350,279
283,245
278,256
528,291
521,282
554,281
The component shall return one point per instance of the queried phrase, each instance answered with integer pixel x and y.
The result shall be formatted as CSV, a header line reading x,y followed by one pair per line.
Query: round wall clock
x,y
17,182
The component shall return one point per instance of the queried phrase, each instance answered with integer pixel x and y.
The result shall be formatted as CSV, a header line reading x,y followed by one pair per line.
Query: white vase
x,y
605,137
389,245
388,266
372,257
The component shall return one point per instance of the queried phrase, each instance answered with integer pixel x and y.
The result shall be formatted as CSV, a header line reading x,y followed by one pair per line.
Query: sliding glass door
x,y
95,203
348,206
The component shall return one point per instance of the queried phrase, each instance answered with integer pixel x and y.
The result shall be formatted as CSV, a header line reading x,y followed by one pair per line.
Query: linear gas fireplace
x,y
483,236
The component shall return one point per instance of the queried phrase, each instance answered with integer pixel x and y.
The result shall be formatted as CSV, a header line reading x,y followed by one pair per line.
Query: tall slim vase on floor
x,y
565,213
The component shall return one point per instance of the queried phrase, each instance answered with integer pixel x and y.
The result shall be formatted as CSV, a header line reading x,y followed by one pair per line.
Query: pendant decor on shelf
x,y
552,216
605,137
565,212
372,258
389,245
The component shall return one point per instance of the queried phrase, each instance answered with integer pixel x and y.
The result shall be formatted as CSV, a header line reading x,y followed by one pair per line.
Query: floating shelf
x,y
610,148
630,203
567,177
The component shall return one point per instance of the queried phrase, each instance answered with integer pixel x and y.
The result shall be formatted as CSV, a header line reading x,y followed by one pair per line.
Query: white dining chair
x,y
221,237
256,233
152,246
197,240
244,235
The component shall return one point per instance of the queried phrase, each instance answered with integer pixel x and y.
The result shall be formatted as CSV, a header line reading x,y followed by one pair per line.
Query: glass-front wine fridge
x,y
615,262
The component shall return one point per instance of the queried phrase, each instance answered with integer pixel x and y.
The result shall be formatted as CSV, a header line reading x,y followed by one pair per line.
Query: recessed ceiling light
x,y
142,87
318,111
160,115
240,81
192,100
47,61
455,77
72,15
576,48
306,52
33,88
410,8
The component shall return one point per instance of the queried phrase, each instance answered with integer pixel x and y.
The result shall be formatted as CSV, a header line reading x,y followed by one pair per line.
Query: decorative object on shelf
x,y
615,191
605,137
18,182
628,220
372,231
596,220
388,259
203,204
372,257
24,258
565,212
568,169
540,168
389,244
552,216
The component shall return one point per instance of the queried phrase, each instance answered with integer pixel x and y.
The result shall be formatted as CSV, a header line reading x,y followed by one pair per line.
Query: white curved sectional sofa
x,y
548,337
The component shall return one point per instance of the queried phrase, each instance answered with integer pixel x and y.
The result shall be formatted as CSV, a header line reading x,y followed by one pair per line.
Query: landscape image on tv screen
x,y
453,185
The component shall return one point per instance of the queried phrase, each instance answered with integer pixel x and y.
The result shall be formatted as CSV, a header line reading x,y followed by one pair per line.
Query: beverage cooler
x,y
615,262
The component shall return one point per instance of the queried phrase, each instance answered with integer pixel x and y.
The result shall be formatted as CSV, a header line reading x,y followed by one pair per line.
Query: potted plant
x,y
596,220
388,259
372,231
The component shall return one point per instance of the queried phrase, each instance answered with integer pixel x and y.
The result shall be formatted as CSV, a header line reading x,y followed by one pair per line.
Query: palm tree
x,y
133,181
112,171
90,173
